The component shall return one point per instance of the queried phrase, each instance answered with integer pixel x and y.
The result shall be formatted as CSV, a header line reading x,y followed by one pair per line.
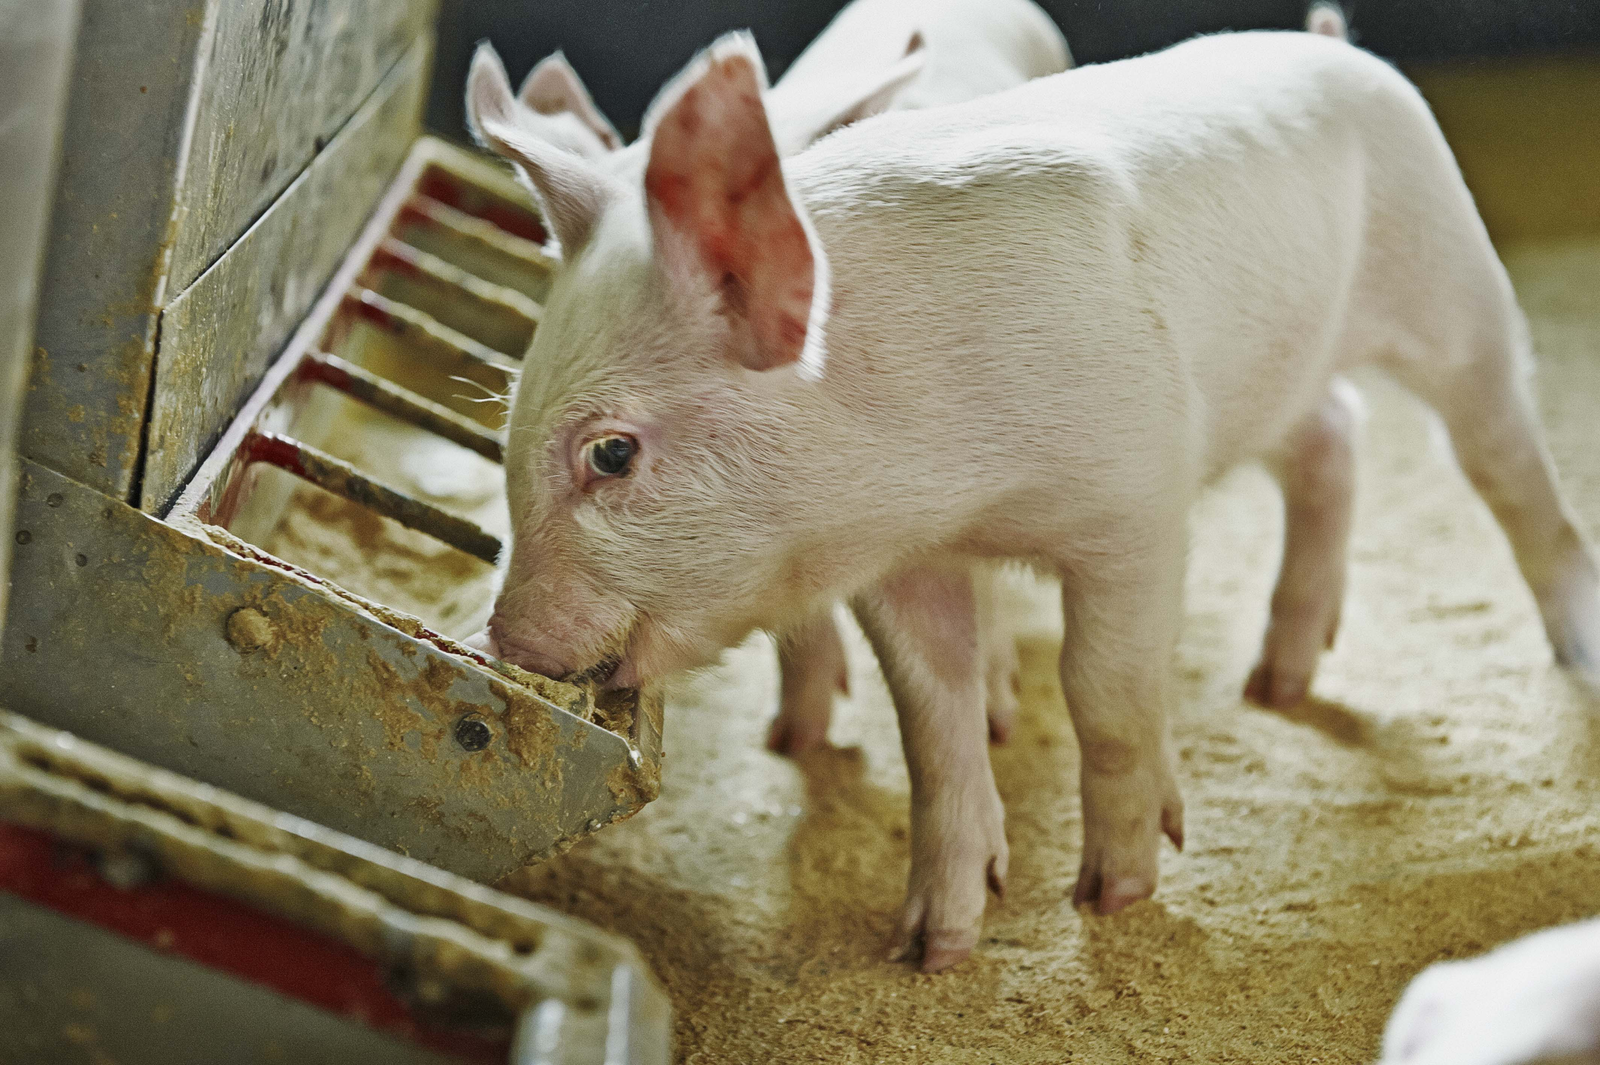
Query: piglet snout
x,y
495,641
484,641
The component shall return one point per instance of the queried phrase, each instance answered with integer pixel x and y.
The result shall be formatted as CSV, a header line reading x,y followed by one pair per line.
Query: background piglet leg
x,y
1317,473
1122,610
811,668
922,625
997,651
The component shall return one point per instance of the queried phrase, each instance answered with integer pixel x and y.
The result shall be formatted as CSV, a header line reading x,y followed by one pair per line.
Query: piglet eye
x,y
611,456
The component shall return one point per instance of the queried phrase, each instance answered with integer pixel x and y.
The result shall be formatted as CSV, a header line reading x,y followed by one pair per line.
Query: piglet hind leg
x,y
1316,471
1121,629
922,625
812,668
1485,403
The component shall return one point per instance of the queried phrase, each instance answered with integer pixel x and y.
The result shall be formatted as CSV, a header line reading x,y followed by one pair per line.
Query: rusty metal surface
x,y
345,481
219,335
236,669
281,77
35,56
566,979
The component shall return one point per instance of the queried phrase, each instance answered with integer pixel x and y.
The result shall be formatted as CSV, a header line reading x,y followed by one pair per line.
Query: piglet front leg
x,y
922,624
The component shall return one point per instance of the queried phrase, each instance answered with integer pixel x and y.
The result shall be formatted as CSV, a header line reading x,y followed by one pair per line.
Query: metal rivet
x,y
250,630
54,499
473,733
24,536
82,560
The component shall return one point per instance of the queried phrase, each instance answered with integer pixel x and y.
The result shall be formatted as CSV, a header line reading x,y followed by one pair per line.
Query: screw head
x,y
473,733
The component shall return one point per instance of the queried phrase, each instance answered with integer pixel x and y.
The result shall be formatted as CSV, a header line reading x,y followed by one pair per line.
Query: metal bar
x,y
345,481
381,394
484,191
402,320
475,229
397,253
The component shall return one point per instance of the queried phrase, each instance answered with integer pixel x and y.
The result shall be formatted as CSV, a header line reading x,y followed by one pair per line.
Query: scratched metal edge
x,y
219,336
119,634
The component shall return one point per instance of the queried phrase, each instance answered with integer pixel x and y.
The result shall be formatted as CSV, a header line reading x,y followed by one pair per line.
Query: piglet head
x,y
653,472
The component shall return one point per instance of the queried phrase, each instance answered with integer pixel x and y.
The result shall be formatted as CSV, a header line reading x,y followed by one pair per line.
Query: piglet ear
x,y
571,192
803,115
553,88
721,213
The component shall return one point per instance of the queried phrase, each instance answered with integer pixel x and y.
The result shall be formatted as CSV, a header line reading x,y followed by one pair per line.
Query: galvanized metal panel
x,y
35,55
246,675
280,79
186,118
109,229
219,335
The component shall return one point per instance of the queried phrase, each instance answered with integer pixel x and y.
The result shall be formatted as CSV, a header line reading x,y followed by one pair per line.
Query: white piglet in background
x,y
876,55
1535,1001
1030,326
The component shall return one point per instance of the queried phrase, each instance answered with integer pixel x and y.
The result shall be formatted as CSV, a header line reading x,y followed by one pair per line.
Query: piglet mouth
x,y
598,673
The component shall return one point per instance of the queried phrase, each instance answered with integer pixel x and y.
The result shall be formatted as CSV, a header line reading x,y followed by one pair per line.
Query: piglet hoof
x,y
1275,691
1108,895
943,911
1121,853
1571,612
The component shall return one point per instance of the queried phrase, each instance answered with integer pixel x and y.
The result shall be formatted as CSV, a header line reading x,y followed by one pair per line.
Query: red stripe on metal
x,y
223,934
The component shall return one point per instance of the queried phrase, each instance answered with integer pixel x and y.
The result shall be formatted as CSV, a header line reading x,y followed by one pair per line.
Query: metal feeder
x,y
146,918
150,610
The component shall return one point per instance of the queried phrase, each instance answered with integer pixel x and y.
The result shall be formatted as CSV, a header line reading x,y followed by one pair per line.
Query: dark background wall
x,y
625,49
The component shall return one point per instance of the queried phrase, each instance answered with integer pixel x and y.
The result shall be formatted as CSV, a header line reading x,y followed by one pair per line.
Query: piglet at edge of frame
x,y
1534,1001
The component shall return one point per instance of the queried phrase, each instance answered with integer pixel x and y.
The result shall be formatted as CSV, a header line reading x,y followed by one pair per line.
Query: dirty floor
x,y
1435,797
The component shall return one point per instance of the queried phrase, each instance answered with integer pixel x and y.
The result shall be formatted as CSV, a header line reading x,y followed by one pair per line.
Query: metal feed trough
x,y
147,918
190,394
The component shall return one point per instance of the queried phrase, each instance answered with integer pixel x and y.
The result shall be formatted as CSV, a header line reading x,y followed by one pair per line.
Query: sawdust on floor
x,y
1436,796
